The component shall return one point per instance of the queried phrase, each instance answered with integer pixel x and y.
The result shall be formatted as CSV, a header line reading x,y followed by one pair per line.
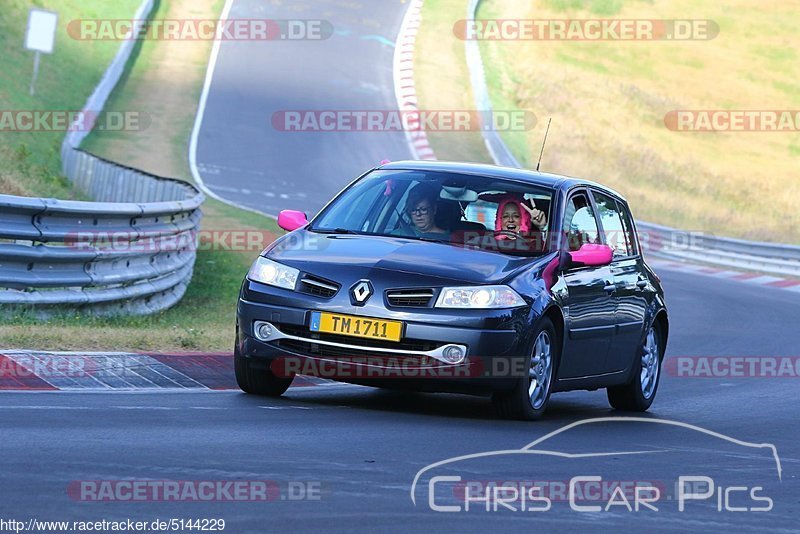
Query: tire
x,y
257,381
639,393
525,401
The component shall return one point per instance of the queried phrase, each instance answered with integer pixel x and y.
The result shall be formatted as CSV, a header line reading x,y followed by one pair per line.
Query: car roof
x,y
544,179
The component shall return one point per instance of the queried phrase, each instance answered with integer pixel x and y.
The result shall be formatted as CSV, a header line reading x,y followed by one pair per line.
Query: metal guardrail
x,y
131,257
661,241
699,247
132,251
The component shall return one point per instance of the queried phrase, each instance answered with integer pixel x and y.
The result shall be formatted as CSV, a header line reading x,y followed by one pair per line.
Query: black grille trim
x,y
410,298
319,287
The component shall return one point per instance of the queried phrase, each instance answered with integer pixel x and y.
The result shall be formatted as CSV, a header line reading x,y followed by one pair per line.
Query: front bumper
x,y
496,344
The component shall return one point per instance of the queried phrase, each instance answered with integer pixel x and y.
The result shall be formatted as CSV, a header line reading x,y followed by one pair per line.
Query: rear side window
x,y
627,224
580,225
616,228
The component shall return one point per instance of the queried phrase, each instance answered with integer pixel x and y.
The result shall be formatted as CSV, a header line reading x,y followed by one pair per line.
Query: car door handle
x,y
610,288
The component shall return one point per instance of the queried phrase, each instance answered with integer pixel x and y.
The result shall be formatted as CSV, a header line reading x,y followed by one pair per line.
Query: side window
x,y
627,224
580,226
617,232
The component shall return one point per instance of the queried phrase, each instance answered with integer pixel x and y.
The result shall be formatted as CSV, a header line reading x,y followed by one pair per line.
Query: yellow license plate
x,y
351,325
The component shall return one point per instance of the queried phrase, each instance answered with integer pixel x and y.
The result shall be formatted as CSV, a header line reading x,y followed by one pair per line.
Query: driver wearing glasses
x,y
421,209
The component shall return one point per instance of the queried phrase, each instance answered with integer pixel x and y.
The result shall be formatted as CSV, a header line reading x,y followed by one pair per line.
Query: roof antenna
x,y
543,142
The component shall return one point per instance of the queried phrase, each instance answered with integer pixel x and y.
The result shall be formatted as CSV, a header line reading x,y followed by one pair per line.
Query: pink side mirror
x,y
591,255
291,220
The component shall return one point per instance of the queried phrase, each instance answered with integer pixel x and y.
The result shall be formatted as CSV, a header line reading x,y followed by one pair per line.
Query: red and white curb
x,y
404,85
65,371
758,279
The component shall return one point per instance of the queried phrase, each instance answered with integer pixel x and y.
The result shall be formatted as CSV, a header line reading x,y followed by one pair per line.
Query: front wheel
x,y
638,394
255,380
528,400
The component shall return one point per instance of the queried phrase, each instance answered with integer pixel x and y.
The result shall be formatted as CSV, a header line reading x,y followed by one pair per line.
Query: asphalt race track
x,y
242,157
357,450
344,458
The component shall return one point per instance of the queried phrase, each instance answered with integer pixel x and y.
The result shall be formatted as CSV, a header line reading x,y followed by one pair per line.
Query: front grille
x,y
319,287
409,298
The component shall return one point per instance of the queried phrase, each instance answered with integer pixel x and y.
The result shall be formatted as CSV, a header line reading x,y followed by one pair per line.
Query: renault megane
x,y
463,278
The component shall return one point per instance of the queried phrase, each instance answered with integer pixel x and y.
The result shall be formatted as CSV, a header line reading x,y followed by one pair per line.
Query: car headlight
x,y
273,273
481,297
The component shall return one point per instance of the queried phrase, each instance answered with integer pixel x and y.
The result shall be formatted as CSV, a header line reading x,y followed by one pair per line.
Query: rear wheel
x,y
257,381
528,400
638,394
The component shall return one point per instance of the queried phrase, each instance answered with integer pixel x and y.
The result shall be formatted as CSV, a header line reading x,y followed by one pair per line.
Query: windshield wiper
x,y
430,239
335,231
346,231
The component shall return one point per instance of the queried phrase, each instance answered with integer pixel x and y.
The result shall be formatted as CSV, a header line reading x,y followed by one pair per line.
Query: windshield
x,y
474,211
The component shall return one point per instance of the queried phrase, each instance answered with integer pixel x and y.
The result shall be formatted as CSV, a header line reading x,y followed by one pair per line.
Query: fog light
x,y
453,354
264,331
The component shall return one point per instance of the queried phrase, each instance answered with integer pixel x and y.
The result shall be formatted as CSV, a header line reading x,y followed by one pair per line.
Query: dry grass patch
x,y
608,101
442,79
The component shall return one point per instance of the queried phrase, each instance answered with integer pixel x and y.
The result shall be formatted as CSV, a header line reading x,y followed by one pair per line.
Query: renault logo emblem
x,y
360,292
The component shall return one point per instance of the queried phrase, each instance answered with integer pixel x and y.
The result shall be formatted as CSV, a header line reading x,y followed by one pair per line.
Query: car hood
x,y
331,255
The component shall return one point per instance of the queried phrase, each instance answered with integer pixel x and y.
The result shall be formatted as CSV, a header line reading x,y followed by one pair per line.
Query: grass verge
x,y
608,101
442,79
165,82
30,162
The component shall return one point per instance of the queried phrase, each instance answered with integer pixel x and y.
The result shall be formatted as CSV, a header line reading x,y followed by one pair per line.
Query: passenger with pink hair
x,y
516,216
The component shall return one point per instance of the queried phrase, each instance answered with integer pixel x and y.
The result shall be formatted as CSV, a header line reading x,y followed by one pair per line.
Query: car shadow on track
x,y
565,406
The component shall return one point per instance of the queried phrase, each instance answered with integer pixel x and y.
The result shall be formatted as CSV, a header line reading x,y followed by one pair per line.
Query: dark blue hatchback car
x,y
458,277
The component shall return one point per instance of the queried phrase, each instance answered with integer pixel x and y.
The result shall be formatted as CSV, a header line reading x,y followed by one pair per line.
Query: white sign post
x,y
40,36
